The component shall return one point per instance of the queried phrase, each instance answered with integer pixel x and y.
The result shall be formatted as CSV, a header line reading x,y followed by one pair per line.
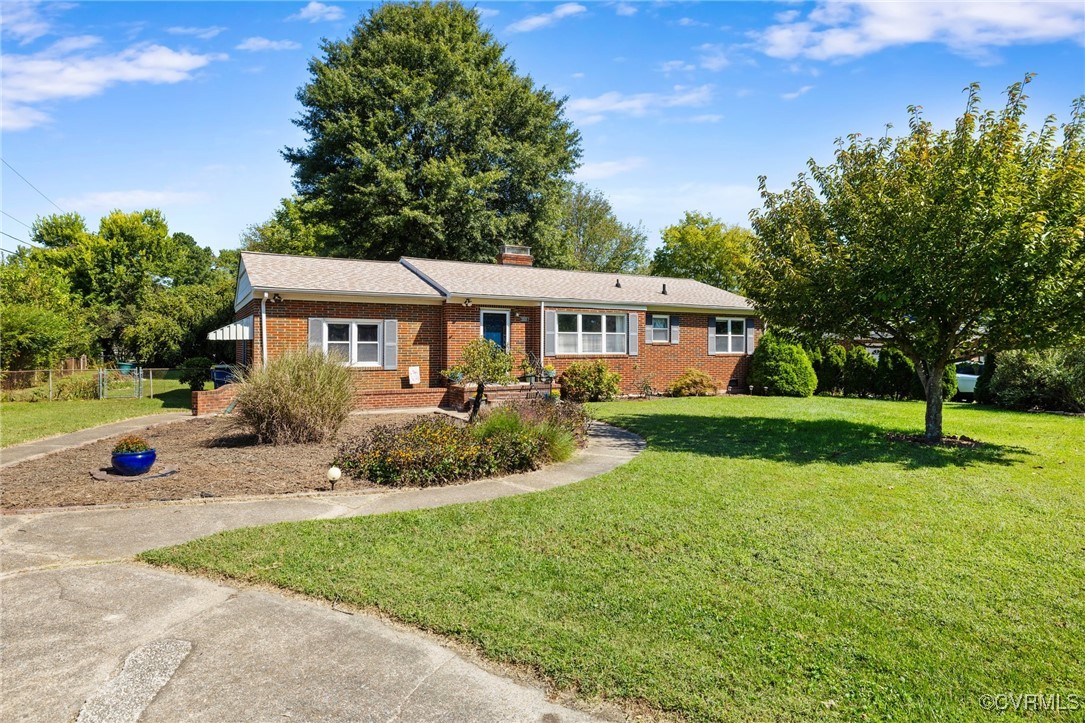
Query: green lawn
x,y
765,558
25,421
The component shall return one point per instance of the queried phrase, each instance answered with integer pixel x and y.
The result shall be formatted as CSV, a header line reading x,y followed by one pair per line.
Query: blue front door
x,y
495,327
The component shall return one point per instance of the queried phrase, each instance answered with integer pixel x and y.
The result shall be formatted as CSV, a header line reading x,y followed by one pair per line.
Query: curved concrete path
x,y
89,635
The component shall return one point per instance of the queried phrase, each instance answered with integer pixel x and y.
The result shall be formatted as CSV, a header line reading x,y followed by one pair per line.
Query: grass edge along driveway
x,y
763,559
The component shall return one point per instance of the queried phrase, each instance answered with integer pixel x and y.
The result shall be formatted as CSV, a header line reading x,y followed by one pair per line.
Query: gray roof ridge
x,y
320,258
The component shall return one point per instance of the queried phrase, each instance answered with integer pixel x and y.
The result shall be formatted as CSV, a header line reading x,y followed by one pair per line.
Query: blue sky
x,y
185,106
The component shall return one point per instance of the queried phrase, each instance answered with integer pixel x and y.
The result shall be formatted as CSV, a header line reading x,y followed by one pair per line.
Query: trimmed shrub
x,y
301,396
860,369
781,369
590,381
829,369
983,393
425,452
694,383
195,372
894,377
1052,379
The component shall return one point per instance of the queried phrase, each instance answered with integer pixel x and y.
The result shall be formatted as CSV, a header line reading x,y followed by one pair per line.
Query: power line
x,y
16,220
32,185
14,237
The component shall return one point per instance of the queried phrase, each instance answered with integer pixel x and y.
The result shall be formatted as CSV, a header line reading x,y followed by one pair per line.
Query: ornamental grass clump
x,y
299,397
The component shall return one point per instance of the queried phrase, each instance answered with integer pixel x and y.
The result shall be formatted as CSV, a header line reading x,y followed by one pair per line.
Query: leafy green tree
x,y
423,140
290,230
947,243
860,369
483,362
593,238
43,321
704,248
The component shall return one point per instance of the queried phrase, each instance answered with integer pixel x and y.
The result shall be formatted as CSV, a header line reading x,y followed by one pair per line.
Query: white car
x,y
967,374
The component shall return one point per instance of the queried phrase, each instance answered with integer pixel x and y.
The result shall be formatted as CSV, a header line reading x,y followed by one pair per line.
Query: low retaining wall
x,y
213,401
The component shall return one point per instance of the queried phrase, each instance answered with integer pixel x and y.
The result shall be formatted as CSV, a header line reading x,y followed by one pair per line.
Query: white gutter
x,y
263,328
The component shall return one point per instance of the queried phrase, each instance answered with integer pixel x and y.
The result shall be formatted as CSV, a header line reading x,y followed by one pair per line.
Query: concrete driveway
x,y
90,635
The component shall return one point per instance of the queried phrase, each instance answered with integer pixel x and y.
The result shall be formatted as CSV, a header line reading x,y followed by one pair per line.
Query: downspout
x,y
263,329
542,335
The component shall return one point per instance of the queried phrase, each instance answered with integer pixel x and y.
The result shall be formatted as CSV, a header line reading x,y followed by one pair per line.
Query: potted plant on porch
x,y
549,372
132,456
527,370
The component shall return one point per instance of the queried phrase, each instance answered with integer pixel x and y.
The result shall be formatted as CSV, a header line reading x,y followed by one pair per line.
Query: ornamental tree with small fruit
x,y
947,244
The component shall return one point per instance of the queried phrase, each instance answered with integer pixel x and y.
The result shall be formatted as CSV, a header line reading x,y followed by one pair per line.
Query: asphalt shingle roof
x,y
463,279
351,276
460,278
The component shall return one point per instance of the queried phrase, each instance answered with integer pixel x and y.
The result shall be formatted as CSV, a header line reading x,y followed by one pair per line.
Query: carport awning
x,y
237,331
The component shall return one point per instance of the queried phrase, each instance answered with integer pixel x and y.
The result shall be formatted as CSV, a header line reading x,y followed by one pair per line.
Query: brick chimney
x,y
515,255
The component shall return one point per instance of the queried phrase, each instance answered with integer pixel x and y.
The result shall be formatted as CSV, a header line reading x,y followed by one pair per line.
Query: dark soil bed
x,y
214,458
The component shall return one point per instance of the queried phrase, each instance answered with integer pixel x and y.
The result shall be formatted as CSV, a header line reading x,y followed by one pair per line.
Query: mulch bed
x,y
949,440
214,459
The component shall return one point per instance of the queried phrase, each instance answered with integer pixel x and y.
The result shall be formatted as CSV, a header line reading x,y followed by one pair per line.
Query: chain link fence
x,y
50,385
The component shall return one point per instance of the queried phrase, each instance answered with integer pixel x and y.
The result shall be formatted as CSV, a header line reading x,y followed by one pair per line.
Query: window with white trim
x,y
353,342
592,333
660,330
730,335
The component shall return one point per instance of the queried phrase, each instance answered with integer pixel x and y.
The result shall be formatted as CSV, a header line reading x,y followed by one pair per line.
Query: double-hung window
x,y
659,332
355,343
729,336
591,333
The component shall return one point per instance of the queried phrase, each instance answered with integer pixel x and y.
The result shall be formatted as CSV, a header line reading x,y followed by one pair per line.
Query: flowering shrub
x,y
437,450
131,443
425,452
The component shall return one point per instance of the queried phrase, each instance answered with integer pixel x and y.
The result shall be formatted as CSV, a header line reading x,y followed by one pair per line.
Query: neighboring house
x,y
383,318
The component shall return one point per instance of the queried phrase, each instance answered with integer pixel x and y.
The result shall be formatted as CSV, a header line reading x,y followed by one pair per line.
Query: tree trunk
x,y
476,403
933,381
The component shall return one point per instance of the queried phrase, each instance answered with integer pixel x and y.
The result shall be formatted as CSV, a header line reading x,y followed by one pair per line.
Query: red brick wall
x,y
432,338
661,364
213,401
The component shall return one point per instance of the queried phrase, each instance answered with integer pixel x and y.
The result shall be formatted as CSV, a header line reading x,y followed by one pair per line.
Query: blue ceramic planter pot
x,y
133,463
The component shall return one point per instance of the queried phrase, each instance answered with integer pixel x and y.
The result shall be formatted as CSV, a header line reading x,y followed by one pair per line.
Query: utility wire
x,y
14,237
32,185
15,219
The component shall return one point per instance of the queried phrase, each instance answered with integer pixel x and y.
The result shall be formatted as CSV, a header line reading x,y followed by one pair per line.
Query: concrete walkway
x,y
90,635
31,450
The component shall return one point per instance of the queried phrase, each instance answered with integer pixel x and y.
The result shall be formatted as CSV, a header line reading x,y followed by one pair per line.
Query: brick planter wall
x,y
213,401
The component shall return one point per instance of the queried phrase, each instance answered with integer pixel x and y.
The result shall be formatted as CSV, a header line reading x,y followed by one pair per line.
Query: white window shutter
x,y
750,327
633,333
711,336
675,328
551,334
316,334
391,344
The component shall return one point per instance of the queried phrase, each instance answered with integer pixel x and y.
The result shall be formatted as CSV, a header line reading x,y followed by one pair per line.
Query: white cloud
x,y
578,76
22,21
713,57
536,22
257,44
592,110
625,9
853,28
134,199
201,33
787,16
674,66
691,23
706,118
795,94
608,169
64,71
486,13
316,12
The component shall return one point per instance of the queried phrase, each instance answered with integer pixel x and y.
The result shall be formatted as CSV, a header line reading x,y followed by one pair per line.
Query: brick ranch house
x,y
397,324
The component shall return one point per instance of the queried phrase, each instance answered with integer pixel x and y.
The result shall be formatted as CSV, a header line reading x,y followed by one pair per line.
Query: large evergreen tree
x,y
944,243
424,140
